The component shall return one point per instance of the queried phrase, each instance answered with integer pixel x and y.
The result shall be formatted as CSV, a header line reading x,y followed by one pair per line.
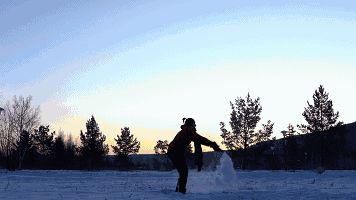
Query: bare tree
x,y
18,116
1,134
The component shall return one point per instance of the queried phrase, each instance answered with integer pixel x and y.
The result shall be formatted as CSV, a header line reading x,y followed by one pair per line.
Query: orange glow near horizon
x,y
147,136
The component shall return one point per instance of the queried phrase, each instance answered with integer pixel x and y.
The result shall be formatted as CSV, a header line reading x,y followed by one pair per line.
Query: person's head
x,y
189,124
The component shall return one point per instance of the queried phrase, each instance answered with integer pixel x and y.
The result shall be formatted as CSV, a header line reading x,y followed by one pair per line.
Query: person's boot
x,y
182,190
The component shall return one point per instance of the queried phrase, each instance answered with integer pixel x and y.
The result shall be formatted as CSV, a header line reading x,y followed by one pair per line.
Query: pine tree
x,y
59,151
290,147
22,146
265,133
230,140
93,148
70,152
161,147
43,140
126,143
244,117
320,115
290,131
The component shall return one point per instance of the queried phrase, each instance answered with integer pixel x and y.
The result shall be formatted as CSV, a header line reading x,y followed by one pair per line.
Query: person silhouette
x,y
177,151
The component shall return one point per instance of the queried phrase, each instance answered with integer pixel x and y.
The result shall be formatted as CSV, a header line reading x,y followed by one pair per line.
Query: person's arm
x,y
204,141
198,155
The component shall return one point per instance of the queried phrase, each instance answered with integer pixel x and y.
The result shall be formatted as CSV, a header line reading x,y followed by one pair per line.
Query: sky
x,y
148,64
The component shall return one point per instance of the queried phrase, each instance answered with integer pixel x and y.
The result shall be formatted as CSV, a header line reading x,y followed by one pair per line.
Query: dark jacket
x,y
183,138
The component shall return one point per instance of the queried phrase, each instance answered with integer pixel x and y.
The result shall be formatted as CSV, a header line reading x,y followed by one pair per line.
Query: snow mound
x,y
225,171
223,179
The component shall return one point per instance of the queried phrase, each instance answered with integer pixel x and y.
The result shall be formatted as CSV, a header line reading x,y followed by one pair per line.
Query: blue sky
x,y
147,64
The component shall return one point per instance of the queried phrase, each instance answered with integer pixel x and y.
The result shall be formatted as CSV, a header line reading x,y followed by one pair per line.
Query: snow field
x,y
223,183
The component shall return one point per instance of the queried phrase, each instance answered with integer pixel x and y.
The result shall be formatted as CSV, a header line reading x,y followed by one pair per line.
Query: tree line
x,y
24,143
242,133
245,115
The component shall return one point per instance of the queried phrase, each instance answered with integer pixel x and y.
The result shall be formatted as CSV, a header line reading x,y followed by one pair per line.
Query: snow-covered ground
x,y
159,185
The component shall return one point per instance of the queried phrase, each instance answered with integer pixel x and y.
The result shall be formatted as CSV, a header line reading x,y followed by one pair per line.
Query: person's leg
x,y
173,158
182,168
198,155
183,177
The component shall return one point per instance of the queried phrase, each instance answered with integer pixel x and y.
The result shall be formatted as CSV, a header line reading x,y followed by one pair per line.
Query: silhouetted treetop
x,y
244,117
320,114
93,148
161,147
126,143
43,140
